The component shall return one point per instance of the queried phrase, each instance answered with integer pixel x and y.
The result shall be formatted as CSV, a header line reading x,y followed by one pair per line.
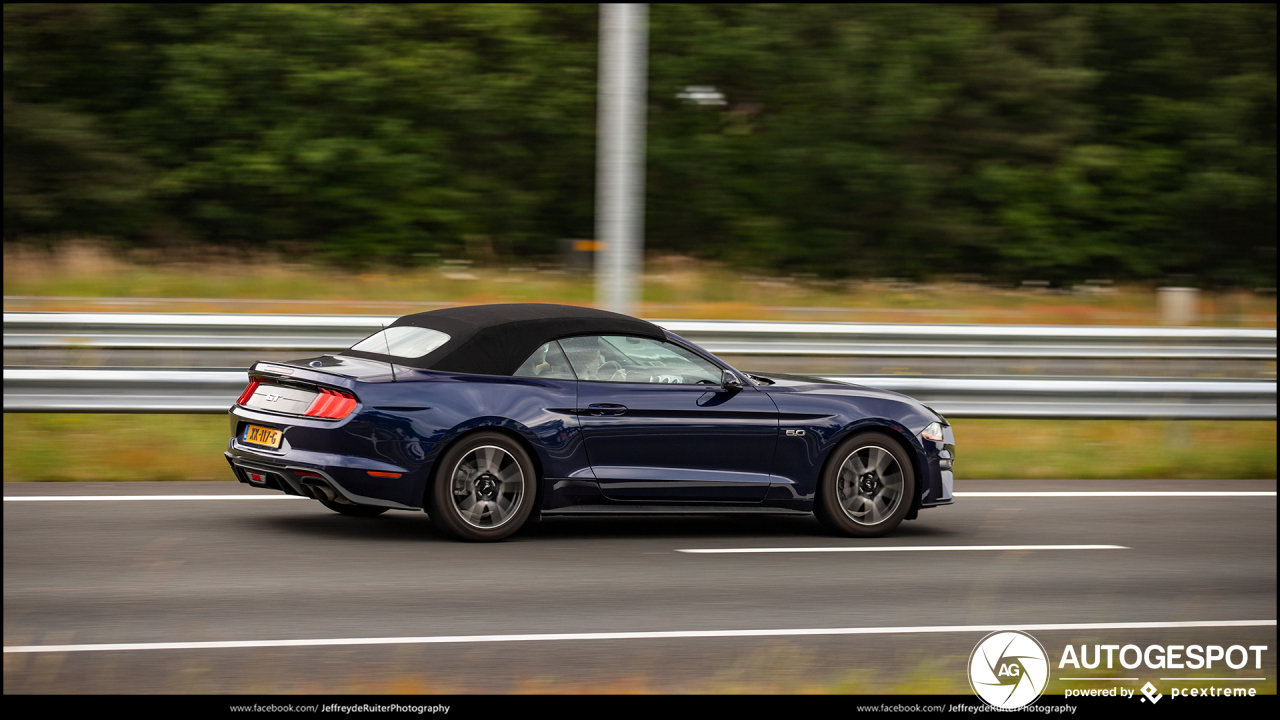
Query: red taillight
x,y
331,404
248,392
320,406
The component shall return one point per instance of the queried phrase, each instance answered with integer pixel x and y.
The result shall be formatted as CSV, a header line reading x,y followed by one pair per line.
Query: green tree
x,y
1055,142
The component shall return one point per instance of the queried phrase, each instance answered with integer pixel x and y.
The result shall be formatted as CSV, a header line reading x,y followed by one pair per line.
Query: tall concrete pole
x,y
620,125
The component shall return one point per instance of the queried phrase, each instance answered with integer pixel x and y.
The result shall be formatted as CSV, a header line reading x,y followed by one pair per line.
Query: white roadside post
x,y
1178,305
620,144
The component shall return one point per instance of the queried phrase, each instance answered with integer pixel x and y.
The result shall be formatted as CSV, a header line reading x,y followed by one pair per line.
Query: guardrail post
x,y
1178,305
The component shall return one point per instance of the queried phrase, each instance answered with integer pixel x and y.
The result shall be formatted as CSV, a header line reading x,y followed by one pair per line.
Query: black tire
x,y
483,488
867,487
354,510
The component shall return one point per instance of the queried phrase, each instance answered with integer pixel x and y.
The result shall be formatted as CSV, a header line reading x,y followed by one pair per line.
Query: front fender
x,y
827,420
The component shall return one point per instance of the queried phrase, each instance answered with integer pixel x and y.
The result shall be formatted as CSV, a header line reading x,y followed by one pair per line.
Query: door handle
x,y
606,409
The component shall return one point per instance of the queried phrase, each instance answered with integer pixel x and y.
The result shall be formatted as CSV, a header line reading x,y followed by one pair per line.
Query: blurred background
x,y
1046,143
995,164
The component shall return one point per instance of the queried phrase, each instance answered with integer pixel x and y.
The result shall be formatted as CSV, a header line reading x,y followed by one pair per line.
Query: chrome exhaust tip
x,y
318,491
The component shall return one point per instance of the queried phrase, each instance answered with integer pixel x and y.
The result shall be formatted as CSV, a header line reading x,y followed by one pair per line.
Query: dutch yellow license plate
x,y
265,436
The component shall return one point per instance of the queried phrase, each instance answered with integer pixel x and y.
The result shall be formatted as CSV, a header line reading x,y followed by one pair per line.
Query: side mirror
x,y
730,382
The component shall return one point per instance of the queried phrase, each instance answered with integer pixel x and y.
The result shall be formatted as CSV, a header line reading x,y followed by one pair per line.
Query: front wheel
x,y
867,487
483,488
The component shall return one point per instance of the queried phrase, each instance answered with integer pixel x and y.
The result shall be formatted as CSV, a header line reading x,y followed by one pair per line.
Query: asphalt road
x,y
85,573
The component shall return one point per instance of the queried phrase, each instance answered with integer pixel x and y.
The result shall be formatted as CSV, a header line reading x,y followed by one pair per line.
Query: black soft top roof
x,y
496,339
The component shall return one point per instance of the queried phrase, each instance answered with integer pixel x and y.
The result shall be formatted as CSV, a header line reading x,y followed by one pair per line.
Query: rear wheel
x,y
354,510
867,488
483,489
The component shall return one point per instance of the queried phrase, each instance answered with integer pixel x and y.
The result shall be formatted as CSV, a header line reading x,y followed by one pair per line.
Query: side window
x,y
615,358
548,361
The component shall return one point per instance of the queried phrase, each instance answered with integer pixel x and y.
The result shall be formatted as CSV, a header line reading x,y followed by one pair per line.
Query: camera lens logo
x,y
1008,669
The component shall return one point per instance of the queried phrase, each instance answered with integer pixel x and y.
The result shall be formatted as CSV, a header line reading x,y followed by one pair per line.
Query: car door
x,y
659,426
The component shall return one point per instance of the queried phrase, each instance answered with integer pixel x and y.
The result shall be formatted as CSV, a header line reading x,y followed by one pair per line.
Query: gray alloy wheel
x,y
867,487
483,489
487,487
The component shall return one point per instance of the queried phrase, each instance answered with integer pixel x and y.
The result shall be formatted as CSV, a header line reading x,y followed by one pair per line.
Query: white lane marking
x,y
1122,493
900,548
77,498
667,634
1000,494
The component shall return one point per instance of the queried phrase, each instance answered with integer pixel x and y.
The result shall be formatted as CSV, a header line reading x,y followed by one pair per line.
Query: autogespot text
x,y
1160,657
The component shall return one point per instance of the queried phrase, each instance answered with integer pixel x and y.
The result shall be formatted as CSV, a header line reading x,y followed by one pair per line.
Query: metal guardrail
x,y
321,333
214,390
200,390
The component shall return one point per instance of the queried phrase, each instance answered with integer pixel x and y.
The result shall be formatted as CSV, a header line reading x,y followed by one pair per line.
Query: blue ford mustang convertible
x,y
492,416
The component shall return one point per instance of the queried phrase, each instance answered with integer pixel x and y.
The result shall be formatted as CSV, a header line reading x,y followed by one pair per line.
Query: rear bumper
x,y
318,482
352,459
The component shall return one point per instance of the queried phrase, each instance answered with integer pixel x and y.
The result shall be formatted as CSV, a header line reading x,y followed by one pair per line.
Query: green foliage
x,y
1051,142
374,130
1016,141
63,176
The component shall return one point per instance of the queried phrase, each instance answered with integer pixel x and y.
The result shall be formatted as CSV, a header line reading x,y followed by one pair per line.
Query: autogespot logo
x,y
1008,669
